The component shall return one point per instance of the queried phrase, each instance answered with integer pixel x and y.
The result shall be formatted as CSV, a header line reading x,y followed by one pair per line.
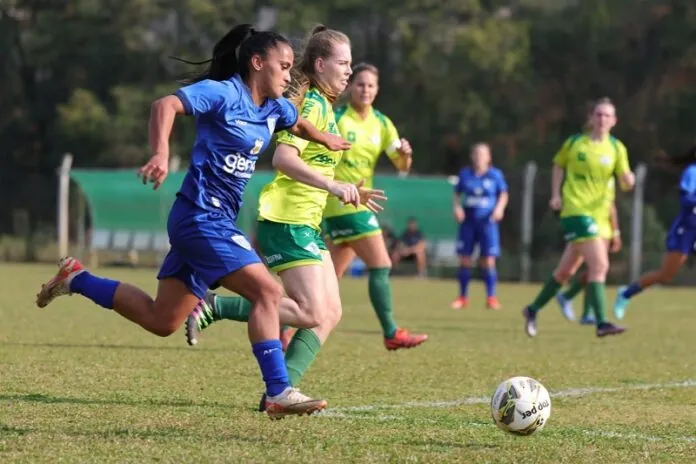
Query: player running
x,y
237,104
356,231
587,161
479,202
608,223
290,213
680,241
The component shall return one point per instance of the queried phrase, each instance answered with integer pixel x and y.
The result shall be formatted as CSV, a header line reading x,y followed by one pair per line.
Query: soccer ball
x,y
521,406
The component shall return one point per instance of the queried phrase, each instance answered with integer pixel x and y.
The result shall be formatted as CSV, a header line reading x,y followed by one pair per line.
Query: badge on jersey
x,y
258,145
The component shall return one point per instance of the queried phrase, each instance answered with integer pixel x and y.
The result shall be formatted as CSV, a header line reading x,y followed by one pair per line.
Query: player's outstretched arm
x,y
286,160
162,114
304,129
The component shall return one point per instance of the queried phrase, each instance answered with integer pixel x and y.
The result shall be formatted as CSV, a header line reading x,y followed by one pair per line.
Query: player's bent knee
x,y
333,314
164,328
269,296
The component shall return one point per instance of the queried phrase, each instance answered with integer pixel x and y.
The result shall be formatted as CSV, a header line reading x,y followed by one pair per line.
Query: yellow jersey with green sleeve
x,y
589,167
287,201
369,138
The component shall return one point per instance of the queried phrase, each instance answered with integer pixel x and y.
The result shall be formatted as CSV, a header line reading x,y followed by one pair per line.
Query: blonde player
x,y
356,231
587,161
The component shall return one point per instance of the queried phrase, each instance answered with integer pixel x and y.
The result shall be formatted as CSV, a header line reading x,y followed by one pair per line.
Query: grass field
x,y
80,384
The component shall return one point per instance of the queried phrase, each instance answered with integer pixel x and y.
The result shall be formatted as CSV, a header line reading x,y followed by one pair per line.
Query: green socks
x,y
379,289
575,287
302,351
595,295
586,305
548,291
234,308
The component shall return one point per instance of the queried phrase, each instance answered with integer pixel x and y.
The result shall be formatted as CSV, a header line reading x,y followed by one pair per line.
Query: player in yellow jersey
x,y
354,230
608,223
291,208
586,162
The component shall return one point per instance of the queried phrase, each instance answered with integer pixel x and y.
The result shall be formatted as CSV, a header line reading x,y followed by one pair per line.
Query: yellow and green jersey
x,y
589,165
288,201
370,137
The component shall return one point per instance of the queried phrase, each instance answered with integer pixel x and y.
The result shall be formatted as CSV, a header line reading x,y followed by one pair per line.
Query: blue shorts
x,y
681,239
205,247
485,234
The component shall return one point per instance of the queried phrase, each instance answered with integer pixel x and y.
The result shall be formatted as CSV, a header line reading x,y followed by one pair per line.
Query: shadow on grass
x,y
446,445
47,399
114,347
132,433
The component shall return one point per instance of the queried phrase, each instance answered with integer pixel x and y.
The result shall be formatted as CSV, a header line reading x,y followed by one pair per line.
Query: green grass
x,y
80,384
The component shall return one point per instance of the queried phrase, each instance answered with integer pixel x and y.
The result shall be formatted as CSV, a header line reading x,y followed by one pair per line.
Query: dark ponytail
x,y
232,54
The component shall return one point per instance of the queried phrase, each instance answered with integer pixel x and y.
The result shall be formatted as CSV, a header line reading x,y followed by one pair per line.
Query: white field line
x,y
636,436
353,412
568,393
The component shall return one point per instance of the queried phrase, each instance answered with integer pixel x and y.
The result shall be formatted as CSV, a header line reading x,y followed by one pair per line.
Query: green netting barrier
x,y
118,201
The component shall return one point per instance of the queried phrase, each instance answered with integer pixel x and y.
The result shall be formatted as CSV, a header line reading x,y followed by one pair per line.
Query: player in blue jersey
x,y
238,105
680,241
480,198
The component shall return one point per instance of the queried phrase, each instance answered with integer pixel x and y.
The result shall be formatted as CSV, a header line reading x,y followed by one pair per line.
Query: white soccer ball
x,y
521,406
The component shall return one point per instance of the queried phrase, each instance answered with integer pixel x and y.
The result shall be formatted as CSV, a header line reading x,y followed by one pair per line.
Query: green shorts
x,y
351,227
579,228
284,246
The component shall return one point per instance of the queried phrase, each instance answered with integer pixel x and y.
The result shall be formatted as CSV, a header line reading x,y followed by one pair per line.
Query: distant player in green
x,y
356,230
290,213
608,223
587,162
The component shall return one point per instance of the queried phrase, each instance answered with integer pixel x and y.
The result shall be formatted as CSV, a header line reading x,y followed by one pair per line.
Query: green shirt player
x,y
291,208
587,162
608,222
356,230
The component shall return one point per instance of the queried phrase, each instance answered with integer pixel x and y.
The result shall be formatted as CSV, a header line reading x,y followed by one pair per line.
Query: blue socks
x,y
490,277
269,354
632,290
98,289
464,275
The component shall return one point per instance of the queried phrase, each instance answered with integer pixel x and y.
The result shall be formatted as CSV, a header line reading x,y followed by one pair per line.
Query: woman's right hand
x,y
459,214
556,203
348,193
155,170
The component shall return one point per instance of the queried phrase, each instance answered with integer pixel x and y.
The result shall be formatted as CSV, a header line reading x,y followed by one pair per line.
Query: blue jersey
x,y
681,237
480,194
231,132
687,197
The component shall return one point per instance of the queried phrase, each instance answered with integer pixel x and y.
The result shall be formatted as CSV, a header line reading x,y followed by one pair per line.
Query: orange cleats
x,y
404,339
460,303
59,285
493,303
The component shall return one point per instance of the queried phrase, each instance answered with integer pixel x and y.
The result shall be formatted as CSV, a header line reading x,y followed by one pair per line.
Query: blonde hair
x,y
591,107
319,45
